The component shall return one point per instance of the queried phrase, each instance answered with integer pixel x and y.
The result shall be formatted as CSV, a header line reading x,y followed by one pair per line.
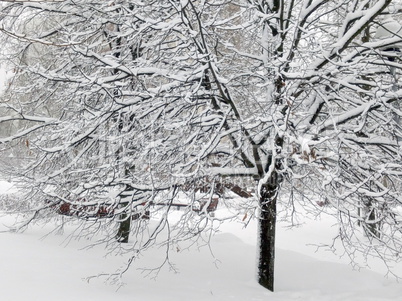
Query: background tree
x,y
170,100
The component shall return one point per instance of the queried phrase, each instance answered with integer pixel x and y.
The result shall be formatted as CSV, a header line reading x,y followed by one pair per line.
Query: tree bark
x,y
267,224
123,233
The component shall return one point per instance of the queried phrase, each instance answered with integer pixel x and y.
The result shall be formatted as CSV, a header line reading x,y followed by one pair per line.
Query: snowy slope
x,y
38,268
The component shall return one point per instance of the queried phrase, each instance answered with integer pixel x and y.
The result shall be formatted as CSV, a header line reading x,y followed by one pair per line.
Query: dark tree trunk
x,y
372,226
267,233
123,233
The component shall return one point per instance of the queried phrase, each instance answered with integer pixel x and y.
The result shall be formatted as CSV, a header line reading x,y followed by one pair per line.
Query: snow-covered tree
x,y
133,104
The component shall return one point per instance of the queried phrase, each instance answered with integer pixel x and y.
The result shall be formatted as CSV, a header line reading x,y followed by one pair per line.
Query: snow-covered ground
x,y
34,267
